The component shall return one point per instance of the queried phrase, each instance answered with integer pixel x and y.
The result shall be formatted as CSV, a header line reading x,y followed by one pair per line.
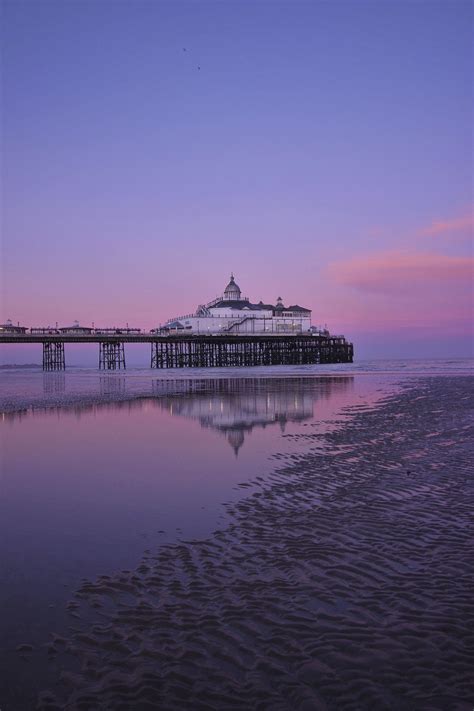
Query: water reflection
x,y
54,383
235,407
231,406
115,465
112,386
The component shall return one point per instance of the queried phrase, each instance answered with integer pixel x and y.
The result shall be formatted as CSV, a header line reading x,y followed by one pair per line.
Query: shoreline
x,y
88,387
340,582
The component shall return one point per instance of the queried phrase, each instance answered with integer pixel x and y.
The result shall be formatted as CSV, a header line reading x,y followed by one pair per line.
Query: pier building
x,y
235,314
230,331
76,328
10,327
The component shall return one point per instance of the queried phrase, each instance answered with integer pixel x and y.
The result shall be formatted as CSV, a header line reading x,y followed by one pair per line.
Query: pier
x,y
195,351
229,331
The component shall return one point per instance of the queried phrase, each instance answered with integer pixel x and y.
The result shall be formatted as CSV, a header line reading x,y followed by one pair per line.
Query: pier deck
x,y
196,351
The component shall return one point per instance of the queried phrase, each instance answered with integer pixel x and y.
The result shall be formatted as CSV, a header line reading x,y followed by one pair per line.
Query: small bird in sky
x,y
198,67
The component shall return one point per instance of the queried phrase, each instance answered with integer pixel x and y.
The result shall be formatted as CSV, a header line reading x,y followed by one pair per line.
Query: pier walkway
x,y
195,351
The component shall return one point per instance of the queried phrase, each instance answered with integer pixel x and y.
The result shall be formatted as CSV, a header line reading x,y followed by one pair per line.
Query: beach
x,y
236,356
343,580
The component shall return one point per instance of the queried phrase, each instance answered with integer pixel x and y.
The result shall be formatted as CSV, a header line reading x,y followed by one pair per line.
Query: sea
x,y
97,467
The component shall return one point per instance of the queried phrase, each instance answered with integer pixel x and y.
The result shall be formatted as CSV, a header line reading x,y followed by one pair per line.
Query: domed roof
x,y
279,304
232,290
236,439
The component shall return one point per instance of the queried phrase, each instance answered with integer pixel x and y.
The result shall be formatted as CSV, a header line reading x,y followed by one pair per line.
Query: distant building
x,y
76,329
233,314
9,327
37,330
112,331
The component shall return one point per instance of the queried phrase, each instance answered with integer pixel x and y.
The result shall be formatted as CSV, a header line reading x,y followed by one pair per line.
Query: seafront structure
x,y
9,327
234,314
229,331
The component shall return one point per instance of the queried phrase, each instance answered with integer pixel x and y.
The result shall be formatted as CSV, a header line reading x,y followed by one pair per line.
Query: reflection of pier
x,y
236,406
232,406
54,383
112,386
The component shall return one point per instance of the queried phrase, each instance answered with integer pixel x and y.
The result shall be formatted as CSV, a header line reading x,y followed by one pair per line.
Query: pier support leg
x,y
53,355
160,355
111,355
204,353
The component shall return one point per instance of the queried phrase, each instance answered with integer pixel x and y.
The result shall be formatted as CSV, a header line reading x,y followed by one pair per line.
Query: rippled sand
x,y
344,581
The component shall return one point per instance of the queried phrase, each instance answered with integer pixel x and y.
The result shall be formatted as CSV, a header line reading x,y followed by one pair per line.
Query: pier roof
x,y
297,308
241,304
247,305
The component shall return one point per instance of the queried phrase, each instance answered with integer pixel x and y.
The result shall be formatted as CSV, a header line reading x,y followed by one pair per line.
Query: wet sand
x,y
343,581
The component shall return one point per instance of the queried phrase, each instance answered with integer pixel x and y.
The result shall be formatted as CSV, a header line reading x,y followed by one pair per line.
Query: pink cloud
x,y
398,272
442,227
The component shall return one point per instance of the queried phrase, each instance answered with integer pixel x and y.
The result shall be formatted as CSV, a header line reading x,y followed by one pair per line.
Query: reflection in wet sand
x,y
340,582
235,407
88,483
112,386
232,406
54,383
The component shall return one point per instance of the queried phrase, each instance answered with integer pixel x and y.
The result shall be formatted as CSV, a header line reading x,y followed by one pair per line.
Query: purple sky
x,y
323,152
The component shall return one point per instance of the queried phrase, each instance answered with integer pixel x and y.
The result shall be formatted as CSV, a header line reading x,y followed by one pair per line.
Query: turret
x,y
232,291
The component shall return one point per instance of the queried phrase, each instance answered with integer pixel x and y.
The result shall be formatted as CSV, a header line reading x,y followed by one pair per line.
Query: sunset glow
x,y
337,175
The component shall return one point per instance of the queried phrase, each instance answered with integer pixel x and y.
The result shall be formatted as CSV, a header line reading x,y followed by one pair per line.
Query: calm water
x,y
21,389
96,468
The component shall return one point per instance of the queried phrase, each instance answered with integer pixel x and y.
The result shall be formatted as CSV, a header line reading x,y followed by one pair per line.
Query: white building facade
x,y
233,314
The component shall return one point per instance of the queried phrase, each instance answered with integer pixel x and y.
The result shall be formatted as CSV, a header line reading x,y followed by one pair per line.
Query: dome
x,y
232,290
236,439
279,305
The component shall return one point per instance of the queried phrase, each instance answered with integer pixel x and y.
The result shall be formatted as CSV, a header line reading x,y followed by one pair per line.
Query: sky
x,y
322,151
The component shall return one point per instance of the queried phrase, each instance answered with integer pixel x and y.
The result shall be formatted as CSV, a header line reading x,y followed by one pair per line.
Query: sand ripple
x,y
344,581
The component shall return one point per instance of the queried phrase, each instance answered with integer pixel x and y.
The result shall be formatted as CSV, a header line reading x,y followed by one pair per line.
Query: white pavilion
x,y
233,313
